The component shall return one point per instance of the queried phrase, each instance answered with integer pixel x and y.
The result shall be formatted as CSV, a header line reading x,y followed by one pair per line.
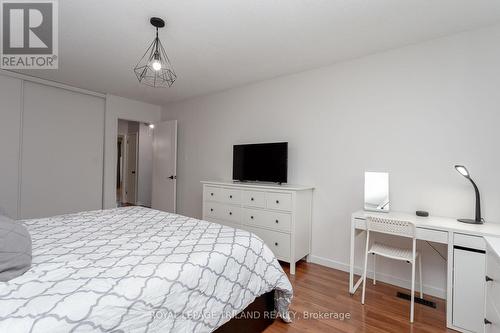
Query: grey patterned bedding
x,y
136,269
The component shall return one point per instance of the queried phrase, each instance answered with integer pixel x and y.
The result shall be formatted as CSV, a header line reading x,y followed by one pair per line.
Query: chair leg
x,y
364,271
413,264
412,291
374,269
420,276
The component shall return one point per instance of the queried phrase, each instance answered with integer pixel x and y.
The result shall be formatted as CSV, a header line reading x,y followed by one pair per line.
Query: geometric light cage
x,y
154,69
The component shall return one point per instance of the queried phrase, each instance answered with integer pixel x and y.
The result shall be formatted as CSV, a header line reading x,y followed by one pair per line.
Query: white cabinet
x,y
468,288
279,214
492,316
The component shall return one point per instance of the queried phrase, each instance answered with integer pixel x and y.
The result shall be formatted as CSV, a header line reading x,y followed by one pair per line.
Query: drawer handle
x,y
212,194
277,201
487,322
251,199
251,217
230,197
277,221
211,209
488,279
276,244
230,213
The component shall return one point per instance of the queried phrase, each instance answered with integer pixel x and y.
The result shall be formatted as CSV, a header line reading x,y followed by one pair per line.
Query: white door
x,y
164,166
131,184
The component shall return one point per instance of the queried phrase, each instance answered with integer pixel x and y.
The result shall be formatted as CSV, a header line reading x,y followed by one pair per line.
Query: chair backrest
x,y
390,226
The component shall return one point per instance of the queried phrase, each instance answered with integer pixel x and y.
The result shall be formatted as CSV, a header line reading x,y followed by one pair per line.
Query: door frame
x,y
123,166
136,167
175,164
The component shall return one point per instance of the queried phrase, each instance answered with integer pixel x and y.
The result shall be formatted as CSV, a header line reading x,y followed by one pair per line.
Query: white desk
x,y
462,239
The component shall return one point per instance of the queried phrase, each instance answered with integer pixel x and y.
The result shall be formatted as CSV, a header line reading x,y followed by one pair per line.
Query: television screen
x,y
266,162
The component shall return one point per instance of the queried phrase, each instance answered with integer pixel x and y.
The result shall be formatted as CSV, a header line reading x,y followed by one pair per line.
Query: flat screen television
x,y
265,162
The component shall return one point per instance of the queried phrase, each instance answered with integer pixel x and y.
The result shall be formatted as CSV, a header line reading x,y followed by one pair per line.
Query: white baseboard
x,y
429,290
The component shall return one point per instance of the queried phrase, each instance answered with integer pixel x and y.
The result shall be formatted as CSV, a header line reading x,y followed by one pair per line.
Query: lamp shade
x,y
462,170
154,69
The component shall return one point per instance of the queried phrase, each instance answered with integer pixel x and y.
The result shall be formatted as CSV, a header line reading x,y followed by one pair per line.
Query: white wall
x,y
122,127
133,127
414,112
10,129
126,109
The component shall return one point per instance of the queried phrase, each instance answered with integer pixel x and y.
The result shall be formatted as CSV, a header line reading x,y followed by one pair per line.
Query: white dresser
x,y
492,316
279,214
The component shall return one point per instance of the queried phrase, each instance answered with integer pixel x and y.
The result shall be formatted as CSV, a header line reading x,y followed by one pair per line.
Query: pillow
x,y
15,249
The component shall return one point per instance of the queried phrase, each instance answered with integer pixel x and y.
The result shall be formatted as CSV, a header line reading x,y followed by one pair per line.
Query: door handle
x,y
172,177
133,172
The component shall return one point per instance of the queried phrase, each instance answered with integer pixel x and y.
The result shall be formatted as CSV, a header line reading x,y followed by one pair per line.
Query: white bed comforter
x,y
138,270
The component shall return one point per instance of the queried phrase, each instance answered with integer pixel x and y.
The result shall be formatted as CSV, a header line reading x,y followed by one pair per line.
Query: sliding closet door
x,y
62,151
10,123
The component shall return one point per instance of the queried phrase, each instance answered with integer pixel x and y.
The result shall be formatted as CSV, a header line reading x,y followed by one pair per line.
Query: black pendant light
x,y
154,69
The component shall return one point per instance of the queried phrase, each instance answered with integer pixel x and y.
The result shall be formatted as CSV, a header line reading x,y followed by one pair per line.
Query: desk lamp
x,y
478,220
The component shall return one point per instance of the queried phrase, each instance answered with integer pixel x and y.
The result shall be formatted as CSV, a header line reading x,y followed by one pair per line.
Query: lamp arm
x,y
478,201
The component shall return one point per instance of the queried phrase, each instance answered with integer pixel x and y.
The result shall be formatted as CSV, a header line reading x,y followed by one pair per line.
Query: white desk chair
x,y
396,228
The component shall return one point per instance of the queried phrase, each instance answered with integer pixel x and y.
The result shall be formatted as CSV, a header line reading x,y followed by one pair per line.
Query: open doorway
x,y
146,164
134,164
120,182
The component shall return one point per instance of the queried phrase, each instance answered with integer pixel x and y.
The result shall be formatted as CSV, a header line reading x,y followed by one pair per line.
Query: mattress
x,y
136,269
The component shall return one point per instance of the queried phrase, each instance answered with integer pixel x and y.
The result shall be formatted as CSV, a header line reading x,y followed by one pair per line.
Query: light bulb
x,y
152,126
156,64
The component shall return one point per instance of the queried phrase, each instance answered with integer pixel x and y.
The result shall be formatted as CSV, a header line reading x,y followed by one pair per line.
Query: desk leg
x,y
353,286
449,282
351,262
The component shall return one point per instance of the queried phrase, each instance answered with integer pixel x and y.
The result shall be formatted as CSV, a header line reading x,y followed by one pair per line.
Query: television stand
x,y
279,214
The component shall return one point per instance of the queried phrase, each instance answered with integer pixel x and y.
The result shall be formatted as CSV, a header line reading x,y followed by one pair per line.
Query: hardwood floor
x,y
319,289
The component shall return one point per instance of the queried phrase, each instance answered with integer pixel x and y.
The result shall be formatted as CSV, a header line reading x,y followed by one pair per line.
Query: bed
x,y
135,269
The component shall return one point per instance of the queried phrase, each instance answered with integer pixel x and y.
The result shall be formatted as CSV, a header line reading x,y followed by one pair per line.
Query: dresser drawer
x,y
267,219
211,193
220,211
279,201
230,196
231,213
211,210
278,242
431,235
253,199
472,242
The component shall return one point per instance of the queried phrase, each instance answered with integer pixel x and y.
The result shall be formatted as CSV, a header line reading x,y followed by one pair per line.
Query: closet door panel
x,y
10,124
62,151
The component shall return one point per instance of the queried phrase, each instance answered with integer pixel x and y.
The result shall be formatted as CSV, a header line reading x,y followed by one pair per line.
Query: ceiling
x,y
219,44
